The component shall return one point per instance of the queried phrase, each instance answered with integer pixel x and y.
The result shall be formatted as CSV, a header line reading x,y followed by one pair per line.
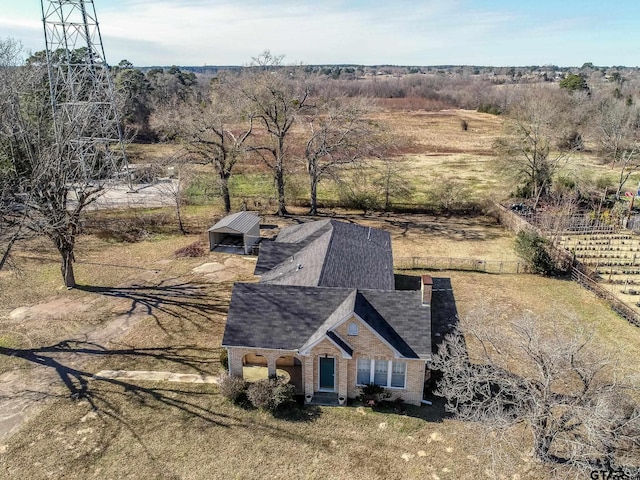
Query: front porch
x,y
329,399
290,374
324,371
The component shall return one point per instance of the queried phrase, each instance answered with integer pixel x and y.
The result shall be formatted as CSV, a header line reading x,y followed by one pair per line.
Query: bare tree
x,y
393,182
274,96
338,134
568,395
538,120
179,175
12,209
57,172
617,130
211,130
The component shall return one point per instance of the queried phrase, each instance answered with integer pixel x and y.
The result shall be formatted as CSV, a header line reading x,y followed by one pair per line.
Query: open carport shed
x,y
235,233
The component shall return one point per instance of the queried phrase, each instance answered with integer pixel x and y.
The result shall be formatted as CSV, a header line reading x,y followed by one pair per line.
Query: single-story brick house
x,y
326,309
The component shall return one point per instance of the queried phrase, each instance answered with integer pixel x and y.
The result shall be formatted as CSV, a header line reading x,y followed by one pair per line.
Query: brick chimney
x,y
426,287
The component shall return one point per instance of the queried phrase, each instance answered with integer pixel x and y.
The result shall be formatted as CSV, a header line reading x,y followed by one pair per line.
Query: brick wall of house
x,y
365,345
368,345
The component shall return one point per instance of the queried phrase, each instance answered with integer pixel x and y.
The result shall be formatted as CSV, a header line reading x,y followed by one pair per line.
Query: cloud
x,y
230,33
224,32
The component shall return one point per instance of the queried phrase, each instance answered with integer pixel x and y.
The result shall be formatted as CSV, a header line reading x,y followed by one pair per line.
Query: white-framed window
x,y
353,329
398,374
364,371
380,373
385,373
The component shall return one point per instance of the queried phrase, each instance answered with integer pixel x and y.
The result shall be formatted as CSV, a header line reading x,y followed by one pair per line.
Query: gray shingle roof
x,y
278,316
399,317
288,317
241,222
340,342
328,254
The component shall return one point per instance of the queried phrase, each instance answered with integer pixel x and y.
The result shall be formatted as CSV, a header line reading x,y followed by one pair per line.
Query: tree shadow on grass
x,y
186,301
434,413
102,393
77,381
190,356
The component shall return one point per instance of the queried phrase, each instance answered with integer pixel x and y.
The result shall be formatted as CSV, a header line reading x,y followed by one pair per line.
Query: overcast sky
x,y
368,32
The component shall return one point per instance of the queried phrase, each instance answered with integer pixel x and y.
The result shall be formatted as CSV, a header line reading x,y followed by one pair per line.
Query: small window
x,y
353,329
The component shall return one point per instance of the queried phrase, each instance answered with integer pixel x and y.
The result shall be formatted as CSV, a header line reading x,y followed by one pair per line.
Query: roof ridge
x,y
326,254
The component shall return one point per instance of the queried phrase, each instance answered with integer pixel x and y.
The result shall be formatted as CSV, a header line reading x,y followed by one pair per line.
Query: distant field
x,y
431,146
435,157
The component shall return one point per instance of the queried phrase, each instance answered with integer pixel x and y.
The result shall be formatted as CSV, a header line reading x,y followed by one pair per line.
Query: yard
x,y
141,308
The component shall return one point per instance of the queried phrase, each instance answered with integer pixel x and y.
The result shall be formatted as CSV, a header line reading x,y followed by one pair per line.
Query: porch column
x,y
342,377
271,365
308,375
235,361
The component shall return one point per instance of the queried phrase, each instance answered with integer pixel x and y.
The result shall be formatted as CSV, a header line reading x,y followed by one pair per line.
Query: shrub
x,y
362,200
234,388
283,395
532,248
373,394
196,249
270,394
572,141
259,394
490,108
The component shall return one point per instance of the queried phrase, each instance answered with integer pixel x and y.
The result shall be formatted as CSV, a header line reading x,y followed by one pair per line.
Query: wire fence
x,y
580,273
461,263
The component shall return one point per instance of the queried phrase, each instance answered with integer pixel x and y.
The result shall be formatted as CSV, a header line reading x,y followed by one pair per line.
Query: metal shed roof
x,y
241,222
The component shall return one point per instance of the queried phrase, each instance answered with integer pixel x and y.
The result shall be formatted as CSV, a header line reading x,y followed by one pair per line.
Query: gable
x,y
366,343
326,347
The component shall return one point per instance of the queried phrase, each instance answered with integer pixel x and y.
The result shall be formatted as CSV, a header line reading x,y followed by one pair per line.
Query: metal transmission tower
x,y
86,119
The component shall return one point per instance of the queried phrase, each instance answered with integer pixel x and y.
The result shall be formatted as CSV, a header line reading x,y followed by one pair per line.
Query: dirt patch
x,y
58,307
219,277
209,268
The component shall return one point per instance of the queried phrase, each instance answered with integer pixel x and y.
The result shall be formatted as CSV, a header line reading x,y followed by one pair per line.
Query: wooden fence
x,y
617,305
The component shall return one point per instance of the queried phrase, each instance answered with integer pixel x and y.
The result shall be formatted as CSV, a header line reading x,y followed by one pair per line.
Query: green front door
x,y
327,373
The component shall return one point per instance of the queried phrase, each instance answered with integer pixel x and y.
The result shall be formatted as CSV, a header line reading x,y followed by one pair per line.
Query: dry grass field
x,y
161,430
141,307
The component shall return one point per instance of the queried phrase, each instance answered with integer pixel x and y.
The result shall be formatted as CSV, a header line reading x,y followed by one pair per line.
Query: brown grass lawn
x,y
140,307
162,430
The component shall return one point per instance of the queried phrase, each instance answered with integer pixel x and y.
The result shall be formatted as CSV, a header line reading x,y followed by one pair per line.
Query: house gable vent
x,y
353,329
